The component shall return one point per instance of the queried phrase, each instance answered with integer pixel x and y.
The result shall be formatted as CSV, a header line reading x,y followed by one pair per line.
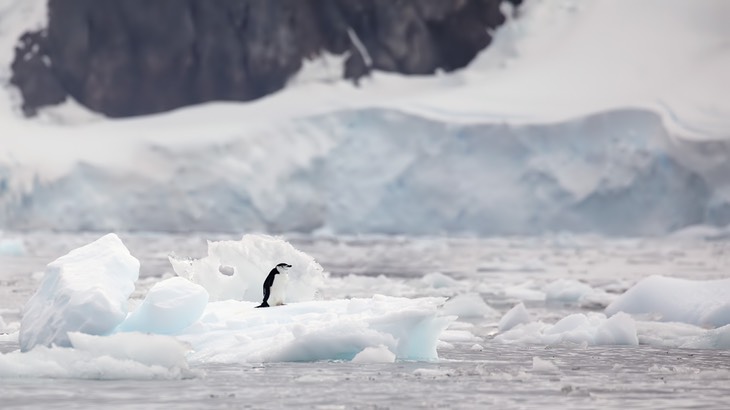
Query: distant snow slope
x,y
608,116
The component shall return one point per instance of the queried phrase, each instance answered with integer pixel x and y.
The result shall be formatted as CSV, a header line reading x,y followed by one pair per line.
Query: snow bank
x,y
84,291
235,332
591,329
702,303
120,356
237,269
169,307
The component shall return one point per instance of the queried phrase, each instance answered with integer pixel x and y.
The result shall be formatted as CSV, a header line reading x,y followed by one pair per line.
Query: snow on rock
x,y
237,269
235,332
169,307
377,354
120,356
702,303
84,291
515,316
468,305
591,329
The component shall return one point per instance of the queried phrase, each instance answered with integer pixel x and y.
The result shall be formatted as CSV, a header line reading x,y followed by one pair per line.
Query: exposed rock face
x,y
132,57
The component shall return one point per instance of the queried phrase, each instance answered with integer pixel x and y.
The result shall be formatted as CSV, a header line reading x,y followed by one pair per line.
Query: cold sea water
x,y
474,370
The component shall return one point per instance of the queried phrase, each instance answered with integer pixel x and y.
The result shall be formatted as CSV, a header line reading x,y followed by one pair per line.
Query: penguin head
x,y
282,267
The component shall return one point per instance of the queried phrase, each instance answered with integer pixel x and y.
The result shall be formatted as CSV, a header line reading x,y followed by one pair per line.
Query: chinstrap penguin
x,y
274,287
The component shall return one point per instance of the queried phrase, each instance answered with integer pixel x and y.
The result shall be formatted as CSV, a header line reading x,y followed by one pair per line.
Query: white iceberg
x,y
577,328
702,303
237,269
169,307
515,316
84,291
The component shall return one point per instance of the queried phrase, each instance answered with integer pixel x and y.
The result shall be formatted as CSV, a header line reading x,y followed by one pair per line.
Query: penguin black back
x,y
269,282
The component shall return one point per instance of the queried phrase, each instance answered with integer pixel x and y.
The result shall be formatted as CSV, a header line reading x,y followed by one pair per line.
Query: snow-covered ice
x,y
84,291
236,332
120,356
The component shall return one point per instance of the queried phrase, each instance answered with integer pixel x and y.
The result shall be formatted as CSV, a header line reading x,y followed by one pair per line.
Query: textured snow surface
x,y
84,291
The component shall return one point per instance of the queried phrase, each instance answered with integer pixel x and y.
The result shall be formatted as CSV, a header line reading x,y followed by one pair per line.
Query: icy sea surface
x,y
553,276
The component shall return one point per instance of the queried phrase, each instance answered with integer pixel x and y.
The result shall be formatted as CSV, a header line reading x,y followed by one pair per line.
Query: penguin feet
x,y
263,305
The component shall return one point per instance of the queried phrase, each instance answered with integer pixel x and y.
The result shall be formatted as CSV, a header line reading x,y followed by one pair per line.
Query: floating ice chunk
x,y
84,291
543,366
245,264
236,332
515,316
438,280
712,339
703,303
592,329
12,247
619,329
377,354
524,291
120,356
566,290
468,305
169,307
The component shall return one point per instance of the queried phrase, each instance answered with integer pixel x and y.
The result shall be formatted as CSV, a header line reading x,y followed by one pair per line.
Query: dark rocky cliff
x,y
132,57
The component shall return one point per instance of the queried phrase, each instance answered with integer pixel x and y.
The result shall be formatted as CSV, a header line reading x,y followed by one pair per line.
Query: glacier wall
x,y
381,170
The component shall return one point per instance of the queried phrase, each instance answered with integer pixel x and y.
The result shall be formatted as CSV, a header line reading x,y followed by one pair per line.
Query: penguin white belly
x,y
278,289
